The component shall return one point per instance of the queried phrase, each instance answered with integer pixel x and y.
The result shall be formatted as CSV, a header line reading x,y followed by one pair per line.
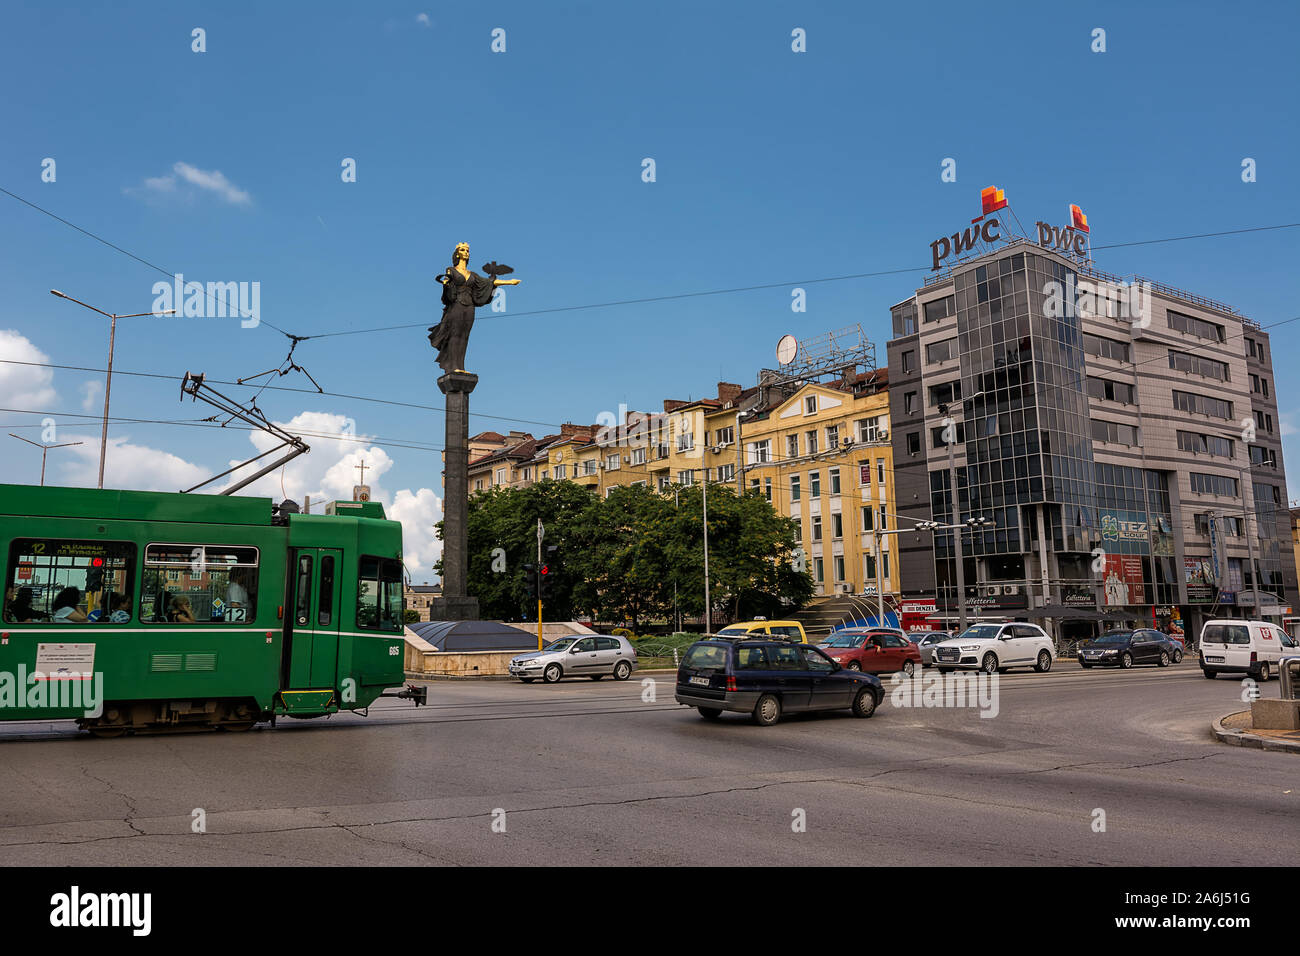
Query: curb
x,y
1242,738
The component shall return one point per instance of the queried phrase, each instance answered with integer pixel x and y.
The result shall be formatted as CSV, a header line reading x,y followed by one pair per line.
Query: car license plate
x,y
1215,660
700,681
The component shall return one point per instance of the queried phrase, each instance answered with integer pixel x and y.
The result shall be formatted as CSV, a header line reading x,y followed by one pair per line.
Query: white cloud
x,y
127,465
91,394
423,20
420,545
212,181
24,386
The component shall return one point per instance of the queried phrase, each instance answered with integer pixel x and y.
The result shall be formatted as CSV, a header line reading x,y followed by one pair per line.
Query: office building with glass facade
x,y
1120,441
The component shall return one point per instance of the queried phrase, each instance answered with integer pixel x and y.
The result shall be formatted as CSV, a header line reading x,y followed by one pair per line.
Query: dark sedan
x,y
1128,648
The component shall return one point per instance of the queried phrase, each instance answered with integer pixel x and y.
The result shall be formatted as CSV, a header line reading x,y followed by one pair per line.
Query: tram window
x,y
379,594
302,614
69,582
325,613
199,584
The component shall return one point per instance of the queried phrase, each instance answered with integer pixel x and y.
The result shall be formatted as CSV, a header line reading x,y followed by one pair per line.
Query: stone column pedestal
x,y
455,604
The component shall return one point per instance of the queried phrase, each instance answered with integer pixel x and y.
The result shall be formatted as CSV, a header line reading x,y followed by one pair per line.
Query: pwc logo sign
x,y
1072,238
992,199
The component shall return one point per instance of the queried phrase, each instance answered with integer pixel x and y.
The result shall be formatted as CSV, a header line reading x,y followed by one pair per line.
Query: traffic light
x,y
95,575
547,573
530,580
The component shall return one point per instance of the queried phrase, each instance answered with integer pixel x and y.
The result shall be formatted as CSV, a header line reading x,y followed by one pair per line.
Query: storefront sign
x,y
992,199
1113,529
1124,584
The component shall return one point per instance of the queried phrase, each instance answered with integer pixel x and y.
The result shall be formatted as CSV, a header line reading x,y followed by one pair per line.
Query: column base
x,y
454,609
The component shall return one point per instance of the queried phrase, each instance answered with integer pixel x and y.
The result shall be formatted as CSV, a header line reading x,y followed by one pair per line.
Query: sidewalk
x,y
1235,729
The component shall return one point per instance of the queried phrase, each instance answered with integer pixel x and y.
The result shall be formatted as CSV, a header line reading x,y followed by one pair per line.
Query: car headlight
x,y
970,647
1108,653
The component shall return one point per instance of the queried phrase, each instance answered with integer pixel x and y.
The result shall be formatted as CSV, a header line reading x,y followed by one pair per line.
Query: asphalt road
x,y
588,773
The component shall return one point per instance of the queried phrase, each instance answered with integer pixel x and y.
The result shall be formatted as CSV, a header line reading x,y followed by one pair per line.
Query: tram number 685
x,y
395,650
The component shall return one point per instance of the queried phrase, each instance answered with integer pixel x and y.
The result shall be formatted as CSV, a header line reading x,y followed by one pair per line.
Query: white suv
x,y
995,648
1244,647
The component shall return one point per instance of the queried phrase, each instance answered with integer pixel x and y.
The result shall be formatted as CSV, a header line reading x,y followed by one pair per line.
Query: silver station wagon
x,y
593,656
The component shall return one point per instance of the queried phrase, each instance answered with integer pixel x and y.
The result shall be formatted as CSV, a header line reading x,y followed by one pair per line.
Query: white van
x,y
1244,647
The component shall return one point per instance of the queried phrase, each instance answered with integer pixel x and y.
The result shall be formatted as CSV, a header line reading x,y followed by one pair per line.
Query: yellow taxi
x,y
759,627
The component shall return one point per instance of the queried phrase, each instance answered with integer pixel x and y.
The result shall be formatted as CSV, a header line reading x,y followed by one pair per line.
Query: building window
x,y
880,474
810,405
759,452
864,473
725,436
869,568
612,462
817,569
528,474
1194,326
1107,390
638,456
914,442
664,482
478,484
832,437
1199,444
869,429
909,403
815,483
561,472
1202,404
834,475
937,435
945,393
1224,524
589,466
791,446
811,438
1264,421
1115,432
884,519
1263,456
685,441
868,518
941,351
884,566
639,484
727,473
837,525
1203,484
816,527
1199,365
1259,384
686,477
940,309
501,476
839,567
1105,348
767,488
909,361
794,488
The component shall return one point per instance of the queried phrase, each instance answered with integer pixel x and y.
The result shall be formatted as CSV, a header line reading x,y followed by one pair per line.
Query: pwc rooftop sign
x,y
1070,239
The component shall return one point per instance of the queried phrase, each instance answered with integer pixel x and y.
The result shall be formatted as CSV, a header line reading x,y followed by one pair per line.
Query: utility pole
x,y
708,617
880,593
45,450
108,381
540,531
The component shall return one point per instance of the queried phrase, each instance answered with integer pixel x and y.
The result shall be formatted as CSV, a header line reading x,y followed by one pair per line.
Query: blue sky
x,y
771,167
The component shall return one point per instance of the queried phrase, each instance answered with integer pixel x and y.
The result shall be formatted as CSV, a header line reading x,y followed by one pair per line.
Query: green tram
x,y
131,610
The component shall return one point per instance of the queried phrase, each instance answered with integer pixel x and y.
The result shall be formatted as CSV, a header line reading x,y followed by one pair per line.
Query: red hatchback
x,y
875,650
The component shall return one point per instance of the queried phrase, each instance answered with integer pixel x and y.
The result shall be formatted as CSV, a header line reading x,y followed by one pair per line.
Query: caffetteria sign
x,y
1070,239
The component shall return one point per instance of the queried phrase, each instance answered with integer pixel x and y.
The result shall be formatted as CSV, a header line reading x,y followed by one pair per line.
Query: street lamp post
x,y
956,517
108,381
970,524
45,450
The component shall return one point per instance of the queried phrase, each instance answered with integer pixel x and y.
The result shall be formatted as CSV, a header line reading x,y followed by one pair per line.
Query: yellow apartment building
x,y
823,457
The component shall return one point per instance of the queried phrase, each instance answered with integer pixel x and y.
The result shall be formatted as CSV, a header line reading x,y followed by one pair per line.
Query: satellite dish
x,y
787,349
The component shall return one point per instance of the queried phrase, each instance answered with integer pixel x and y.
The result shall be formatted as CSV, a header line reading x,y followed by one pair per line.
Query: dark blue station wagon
x,y
766,678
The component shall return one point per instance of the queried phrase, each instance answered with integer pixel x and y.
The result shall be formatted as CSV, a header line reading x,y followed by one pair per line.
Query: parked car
x,y
766,678
1244,647
925,642
876,650
1126,648
790,630
594,657
996,648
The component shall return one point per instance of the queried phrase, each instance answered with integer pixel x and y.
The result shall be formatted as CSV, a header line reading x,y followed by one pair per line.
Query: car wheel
x,y
990,663
1126,660
1209,675
709,713
622,670
767,711
528,680
1265,672
908,668
853,666
1178,656
864,704
1044,663
552,673
1164,659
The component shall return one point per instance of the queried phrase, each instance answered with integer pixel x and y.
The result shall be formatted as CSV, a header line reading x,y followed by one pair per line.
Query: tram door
x,y
315,599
